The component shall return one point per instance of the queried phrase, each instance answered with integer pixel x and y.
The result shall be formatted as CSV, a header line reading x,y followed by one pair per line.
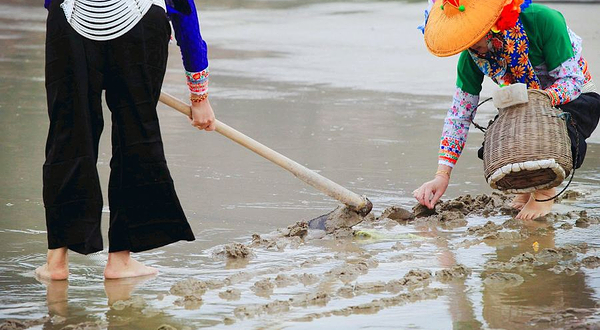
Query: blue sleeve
x,y
184,18
47,3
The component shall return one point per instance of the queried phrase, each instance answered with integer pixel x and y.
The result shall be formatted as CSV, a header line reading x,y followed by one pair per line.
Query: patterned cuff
x,y
554,97
197,81
444,161
450,150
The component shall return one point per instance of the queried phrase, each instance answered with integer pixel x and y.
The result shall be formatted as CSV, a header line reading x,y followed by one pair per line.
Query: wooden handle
x,y
359,203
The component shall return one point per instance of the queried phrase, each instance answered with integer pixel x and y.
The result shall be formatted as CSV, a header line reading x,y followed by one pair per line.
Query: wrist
x,y
444,174
197,99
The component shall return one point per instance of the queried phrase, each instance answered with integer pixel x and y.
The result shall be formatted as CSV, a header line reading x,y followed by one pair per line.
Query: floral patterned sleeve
x,y
456,127
568,76
568,83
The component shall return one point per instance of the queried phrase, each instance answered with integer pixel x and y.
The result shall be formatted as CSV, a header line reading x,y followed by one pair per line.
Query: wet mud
x,y
352,275
19,324
350,272
349,275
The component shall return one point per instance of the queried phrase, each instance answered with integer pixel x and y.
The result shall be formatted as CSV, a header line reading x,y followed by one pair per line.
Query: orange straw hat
x,y
455,25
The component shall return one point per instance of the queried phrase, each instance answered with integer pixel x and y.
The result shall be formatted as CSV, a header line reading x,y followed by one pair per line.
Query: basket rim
x,y
530,165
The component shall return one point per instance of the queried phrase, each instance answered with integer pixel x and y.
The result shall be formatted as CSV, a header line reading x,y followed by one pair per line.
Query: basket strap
x,y
560,193
479,127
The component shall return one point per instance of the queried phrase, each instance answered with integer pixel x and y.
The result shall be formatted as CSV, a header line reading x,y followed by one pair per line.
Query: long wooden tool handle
x,y
359,203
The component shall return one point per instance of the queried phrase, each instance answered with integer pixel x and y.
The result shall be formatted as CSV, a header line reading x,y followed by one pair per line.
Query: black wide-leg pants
x,y
585,112
145,212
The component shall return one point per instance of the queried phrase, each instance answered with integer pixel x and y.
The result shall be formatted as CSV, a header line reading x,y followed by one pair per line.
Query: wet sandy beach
x,y
349,90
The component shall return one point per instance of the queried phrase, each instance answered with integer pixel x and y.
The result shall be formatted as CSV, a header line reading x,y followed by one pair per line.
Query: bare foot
x,y
533,209
120,265
519,201
56,267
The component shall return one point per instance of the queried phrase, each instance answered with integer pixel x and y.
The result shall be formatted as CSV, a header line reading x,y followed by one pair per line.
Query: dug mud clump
x,y
250,311
483,204
591,262
22,324
190,292
263,288
234,251
191,301
349,272
411,280
283,280
299,229
584,220
310,299
416,277
456,272
190,286
341,217
307,279
396,213
230,294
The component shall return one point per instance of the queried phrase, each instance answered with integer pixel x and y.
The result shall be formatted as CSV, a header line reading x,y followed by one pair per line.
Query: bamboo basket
x,y
527,147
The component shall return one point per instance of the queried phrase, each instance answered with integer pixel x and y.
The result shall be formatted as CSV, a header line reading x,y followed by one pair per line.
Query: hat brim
x,y
447,33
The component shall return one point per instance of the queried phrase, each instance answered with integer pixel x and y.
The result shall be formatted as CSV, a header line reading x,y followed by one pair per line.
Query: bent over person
x,y
120,47
510,42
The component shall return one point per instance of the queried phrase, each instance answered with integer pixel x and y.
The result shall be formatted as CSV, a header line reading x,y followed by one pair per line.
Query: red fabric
x,y
510,14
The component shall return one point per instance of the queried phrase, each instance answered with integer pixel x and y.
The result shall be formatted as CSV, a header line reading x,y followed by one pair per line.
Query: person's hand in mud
x,y
430,192
203,116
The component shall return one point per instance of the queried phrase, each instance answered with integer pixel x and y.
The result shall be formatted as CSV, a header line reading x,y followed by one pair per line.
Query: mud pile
x,y
22,324
451,274
342,269
348,275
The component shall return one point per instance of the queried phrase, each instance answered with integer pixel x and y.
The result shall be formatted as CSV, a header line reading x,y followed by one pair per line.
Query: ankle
x,y
118,259
546,193
121,265
57,258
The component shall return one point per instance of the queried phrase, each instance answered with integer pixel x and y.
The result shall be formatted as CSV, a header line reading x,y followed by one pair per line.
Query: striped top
x,y
109,19
103,20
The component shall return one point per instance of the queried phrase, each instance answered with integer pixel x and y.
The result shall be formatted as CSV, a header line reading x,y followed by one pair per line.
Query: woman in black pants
x,y
125,55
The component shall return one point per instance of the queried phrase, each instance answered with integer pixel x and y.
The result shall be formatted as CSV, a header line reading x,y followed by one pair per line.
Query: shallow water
x,y
345,88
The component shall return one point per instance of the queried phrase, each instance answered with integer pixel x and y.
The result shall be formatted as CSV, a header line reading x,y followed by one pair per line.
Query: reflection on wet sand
x,y
544,299
121,289
459,305
125,310
57,297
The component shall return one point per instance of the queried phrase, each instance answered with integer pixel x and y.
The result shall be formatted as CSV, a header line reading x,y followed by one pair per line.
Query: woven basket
x,y
527,147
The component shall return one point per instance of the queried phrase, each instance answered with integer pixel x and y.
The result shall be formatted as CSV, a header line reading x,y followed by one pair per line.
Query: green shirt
x,y
549,43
